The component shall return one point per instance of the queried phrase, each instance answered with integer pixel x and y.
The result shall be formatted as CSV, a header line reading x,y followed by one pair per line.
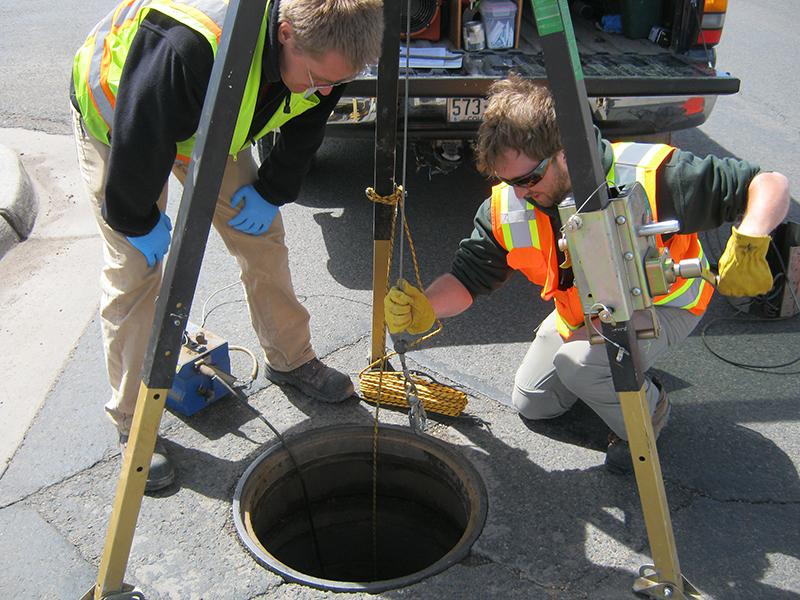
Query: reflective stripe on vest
x,y
98,67
640,162
529,252
518,220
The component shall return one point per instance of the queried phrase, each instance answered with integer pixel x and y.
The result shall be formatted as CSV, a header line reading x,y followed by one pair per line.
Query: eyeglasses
x,y
530,179
327,84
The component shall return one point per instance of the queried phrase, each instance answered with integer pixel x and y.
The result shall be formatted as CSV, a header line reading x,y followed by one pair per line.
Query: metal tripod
x,y
240,31
243,21
602,224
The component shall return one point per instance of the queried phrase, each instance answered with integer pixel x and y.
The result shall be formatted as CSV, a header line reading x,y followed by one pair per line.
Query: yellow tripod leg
x,y
380,264
130,490
664,579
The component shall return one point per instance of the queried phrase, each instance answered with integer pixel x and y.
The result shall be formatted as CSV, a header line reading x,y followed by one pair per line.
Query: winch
x,y
195,385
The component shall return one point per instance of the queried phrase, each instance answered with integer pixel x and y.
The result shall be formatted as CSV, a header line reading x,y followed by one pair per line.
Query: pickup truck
x,y
643,83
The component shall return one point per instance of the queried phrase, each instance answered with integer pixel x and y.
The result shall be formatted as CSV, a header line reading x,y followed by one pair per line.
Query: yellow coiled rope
x,y
389,388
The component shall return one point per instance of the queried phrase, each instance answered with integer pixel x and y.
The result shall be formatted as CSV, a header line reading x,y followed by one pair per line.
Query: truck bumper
x,y
627,116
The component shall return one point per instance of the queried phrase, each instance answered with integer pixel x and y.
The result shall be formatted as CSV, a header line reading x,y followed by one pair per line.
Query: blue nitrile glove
x,y
155,244
256,214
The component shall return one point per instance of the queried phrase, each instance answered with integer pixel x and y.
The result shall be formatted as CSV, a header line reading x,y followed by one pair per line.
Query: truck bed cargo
x,y
649,86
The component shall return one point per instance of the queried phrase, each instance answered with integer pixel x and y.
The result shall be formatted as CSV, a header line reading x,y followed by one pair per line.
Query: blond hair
x,y
520,116
353,27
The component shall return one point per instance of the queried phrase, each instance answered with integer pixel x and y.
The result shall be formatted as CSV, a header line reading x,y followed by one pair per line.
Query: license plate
x,y
465,109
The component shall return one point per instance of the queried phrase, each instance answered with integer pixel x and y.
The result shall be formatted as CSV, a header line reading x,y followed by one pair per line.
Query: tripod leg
x,y
132,480
665,579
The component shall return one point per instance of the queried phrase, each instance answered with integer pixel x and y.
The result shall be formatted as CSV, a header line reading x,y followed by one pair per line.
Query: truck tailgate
x,y
613,65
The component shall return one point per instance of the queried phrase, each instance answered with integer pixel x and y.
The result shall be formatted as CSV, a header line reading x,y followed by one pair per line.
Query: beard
x,y
558,189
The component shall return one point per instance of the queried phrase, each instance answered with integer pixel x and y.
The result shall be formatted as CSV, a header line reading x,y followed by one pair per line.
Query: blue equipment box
x,y
192,391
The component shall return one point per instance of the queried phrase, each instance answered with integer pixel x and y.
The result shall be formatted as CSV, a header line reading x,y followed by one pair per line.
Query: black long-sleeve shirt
x,y
159,103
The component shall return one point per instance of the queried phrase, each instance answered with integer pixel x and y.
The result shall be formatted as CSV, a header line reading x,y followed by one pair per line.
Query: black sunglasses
x,y
530,179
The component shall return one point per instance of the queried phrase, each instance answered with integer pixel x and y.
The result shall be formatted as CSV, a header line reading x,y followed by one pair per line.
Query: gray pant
x,y
556,372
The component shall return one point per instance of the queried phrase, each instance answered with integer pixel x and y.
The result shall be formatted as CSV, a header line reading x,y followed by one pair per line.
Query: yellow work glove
x,y
407,309
743,268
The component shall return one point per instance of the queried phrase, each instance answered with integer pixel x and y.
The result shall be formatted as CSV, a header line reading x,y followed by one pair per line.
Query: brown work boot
x,y
663,408
161,473
618,454
316,380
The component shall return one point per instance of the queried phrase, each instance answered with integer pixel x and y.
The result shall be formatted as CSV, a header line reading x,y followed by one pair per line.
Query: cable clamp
x,y
416,415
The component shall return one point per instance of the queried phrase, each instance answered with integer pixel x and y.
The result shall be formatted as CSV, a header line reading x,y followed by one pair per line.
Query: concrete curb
x,y
18,202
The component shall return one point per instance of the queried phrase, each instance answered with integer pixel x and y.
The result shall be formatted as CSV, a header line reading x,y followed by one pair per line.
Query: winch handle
x,y
691,268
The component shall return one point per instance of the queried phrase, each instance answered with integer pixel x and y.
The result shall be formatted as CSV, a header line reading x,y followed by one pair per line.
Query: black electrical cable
x,y
741,365
697,14
243,399
771,304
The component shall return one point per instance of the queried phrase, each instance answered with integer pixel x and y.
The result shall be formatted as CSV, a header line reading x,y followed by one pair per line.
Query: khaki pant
x,y
130,287
555,373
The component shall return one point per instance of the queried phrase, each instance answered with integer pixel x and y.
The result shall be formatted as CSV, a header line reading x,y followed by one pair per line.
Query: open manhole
x,y
431,507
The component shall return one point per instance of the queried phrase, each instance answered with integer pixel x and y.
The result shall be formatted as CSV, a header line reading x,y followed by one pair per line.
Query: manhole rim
x,y
474,528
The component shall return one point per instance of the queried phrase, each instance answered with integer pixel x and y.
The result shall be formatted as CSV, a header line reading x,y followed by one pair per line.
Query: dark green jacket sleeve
x,y
703,193
480,262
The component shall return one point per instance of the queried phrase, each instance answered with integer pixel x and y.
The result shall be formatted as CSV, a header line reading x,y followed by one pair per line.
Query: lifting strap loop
x,y
392,199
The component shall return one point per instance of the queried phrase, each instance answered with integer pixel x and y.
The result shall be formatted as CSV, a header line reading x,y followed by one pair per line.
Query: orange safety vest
x,y
526,233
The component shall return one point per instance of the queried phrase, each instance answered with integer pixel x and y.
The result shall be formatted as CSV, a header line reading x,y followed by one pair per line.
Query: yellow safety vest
x,y
526,233
98,67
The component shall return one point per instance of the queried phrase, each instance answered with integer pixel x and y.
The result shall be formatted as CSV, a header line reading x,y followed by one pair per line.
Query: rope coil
x,y
391,389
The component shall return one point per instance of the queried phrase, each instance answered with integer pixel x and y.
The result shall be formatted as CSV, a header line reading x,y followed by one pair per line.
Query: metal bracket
x,y
624,231
643,334
127,593
417,418
649,585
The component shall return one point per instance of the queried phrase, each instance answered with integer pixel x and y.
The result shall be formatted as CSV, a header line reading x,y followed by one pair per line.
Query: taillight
x,y
711,24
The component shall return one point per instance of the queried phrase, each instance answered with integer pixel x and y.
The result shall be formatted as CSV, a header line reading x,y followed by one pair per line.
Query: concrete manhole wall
x,y
431,507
